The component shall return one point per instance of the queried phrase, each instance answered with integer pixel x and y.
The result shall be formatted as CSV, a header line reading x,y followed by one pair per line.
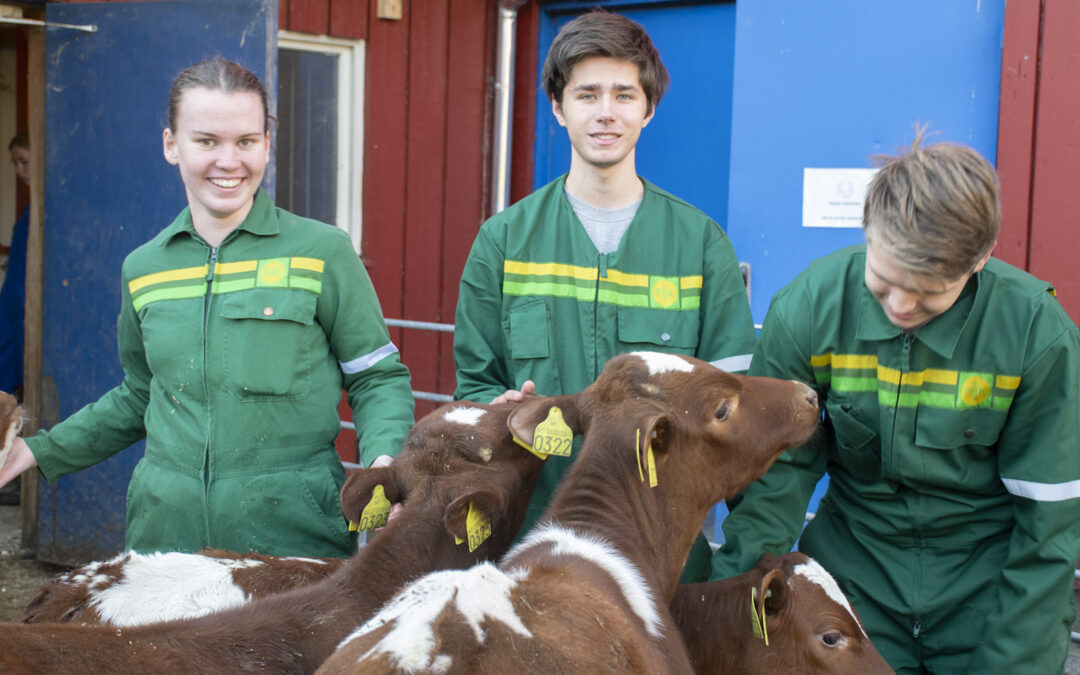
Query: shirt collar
x,y
262,220
941,334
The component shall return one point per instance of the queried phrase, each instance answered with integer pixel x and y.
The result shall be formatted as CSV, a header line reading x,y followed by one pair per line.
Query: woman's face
x,y
222,149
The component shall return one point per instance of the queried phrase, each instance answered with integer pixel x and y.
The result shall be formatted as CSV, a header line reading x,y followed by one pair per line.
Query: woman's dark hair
x,y
216,73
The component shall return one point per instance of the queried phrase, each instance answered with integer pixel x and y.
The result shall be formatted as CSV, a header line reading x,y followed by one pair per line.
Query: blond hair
x,y
934,208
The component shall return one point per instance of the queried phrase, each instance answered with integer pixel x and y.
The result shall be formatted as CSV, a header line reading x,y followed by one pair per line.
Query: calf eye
x,y
833,639
722,413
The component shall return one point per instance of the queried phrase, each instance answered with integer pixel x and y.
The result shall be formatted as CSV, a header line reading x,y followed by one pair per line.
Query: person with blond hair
x,y
950,384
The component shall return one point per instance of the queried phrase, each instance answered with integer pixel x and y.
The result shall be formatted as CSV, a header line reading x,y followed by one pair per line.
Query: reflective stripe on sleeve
x,y
1042,492
366,361
733,364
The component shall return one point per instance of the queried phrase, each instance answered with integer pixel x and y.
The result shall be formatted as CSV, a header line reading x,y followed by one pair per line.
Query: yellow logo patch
x,y
273,272
664,292
975,390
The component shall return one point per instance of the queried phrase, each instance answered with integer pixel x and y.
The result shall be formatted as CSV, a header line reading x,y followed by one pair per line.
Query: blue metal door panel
x,y
685,147
830,84
108,190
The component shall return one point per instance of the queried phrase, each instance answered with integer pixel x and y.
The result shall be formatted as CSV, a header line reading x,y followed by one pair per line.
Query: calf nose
x,y
811,396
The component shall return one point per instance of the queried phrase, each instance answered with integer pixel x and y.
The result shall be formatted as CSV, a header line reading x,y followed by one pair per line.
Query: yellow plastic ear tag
x,y
761,631
650,461
478,527
376,513
529,448
553,435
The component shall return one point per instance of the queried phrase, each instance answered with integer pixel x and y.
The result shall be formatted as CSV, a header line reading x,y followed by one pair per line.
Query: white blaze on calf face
x,y
479,594
659,362
603,555
815,573
467,416
163,586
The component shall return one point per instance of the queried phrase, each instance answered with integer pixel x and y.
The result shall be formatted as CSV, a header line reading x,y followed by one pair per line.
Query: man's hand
x,y
395,510
527,388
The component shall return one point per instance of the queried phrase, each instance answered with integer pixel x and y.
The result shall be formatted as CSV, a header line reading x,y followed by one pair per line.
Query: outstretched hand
x,y
527,389
18,460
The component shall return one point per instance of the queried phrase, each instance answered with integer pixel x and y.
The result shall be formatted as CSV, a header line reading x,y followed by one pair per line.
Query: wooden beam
x,y
32,384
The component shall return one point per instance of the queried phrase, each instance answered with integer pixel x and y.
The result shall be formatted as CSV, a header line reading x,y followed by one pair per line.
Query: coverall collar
x,y
261,220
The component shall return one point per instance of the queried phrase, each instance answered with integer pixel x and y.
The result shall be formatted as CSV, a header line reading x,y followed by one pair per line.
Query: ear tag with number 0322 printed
x,y
553,435
477,527
376,514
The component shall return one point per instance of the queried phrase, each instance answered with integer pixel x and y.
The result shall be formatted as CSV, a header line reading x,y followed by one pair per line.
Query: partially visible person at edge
x,y
599,261
13,293
240,323
950,382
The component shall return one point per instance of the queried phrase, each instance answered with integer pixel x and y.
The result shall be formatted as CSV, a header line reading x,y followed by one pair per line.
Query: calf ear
x,y
358,488
773,592
523,419
484,503
655,431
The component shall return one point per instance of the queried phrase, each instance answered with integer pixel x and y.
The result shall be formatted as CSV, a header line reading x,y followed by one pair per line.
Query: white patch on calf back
x,y
659,362
602,554
815,573
462,415
164,586
479,593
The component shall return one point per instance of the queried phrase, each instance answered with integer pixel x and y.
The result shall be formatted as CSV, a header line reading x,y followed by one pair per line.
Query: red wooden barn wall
x,y
1039,143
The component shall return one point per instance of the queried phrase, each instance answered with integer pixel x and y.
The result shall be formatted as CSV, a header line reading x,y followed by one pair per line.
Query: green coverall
x,y
234,361
539,302
952,518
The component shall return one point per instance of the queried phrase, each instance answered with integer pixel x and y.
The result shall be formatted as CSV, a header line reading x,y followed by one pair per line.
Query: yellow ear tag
x,y
651,465
553,435
478,527
761,631
529,448
376,513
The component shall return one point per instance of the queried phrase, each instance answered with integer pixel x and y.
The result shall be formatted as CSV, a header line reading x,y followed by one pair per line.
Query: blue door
x,y
763,89
108,190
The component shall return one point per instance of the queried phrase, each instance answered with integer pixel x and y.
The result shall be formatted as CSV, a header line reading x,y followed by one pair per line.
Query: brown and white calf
x,y
139,588
587,591
458,459
788,615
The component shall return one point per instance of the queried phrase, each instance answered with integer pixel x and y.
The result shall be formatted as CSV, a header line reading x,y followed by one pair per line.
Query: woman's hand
x,y
18,460
527,389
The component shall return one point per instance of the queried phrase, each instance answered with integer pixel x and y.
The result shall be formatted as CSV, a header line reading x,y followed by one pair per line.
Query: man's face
x,y
20,157
603,109
910,300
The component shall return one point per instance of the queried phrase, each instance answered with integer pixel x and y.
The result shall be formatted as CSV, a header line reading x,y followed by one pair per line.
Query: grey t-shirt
x,y
605,227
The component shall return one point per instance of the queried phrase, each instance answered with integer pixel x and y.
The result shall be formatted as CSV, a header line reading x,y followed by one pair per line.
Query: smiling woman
x,y
240,324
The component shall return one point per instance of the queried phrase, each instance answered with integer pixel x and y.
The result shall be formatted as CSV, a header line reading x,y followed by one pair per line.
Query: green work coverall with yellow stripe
x,y
234,361
539,302
952,518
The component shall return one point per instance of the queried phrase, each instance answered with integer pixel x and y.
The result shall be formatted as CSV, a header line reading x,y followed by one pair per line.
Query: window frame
x,y
350,115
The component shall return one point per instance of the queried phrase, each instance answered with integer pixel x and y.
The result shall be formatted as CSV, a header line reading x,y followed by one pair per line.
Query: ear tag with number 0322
x,y
477,527
553,435
376,513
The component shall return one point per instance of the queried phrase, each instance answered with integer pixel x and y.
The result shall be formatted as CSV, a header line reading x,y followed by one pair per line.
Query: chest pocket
x,y
856,443
658,330
528,330
960,446
268,343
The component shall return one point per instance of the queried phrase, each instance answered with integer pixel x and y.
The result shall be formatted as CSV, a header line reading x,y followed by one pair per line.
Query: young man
x,y
599,261
950,384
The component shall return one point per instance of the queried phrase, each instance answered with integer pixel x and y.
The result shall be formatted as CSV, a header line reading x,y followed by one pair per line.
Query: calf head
x,y
462,461
788,614
709,432
10,423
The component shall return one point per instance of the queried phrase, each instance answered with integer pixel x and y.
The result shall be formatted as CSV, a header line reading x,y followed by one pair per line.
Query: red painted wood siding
x,y
1039,143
